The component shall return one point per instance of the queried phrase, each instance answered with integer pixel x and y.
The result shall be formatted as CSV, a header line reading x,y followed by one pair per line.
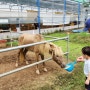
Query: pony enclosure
x,y
53,78
40,17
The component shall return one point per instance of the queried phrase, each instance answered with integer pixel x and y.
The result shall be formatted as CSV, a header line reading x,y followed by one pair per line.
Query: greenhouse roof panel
x,y
81,1
33,2
49,4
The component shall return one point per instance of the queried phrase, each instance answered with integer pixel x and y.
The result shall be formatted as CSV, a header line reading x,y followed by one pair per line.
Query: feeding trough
x,y
77,31
70,66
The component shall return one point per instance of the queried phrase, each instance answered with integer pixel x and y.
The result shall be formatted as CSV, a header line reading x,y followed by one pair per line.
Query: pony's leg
x,y
21,57
37,66
17,61
25,51
44,65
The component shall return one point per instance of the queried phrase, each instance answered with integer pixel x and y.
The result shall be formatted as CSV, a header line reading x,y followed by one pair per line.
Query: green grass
x,y
74,80
81,38
14,43
76,42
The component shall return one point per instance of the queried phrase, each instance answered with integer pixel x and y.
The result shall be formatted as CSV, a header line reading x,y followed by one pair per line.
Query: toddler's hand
x,y
80,59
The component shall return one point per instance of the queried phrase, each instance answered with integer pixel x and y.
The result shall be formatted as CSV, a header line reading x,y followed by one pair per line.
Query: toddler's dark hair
x,y
86,50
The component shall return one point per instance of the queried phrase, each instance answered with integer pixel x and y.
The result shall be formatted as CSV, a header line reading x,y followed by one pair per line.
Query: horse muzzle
x,y
63,65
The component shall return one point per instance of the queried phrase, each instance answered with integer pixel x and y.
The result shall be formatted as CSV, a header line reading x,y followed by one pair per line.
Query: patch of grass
x,y
67,81
74,80
76,42
14,43
71,81
47,87
82,38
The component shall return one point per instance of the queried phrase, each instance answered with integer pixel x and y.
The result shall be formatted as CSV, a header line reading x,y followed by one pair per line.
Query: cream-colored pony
x,y
39,50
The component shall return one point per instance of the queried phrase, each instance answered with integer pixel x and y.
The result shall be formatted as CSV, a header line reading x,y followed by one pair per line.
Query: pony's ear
x,y
52,45
50,51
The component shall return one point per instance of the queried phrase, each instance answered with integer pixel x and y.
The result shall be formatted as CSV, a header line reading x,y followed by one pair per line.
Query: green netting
x,y
81,1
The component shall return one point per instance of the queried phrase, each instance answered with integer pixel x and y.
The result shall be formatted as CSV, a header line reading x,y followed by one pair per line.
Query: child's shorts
x,y
87,86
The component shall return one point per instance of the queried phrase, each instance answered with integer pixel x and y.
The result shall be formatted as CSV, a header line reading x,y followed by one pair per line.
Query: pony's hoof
x,y
37,72
27,62
45,69
16,64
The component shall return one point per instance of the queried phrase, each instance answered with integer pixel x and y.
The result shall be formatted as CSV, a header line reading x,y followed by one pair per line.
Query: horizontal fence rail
x,y
24,67
51,37
23,46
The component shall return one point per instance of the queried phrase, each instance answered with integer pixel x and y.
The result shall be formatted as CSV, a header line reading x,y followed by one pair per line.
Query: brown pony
x,y
39,50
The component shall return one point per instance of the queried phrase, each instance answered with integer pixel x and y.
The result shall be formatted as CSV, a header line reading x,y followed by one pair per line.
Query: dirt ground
x,y
26,79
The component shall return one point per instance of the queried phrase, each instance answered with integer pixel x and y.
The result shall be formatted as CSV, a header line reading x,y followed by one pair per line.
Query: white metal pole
x,y
24,67
23,46
10,37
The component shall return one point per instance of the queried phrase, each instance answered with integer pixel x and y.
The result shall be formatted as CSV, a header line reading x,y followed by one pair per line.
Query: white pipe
x,y
23,46
24,67
27,66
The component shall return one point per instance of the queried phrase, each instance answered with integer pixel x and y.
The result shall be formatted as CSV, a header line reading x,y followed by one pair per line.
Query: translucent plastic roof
x,y
82,1
43,3
71,6
50,4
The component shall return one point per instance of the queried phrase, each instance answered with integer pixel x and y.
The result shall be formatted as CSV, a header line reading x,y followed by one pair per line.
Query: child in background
x,y
86,59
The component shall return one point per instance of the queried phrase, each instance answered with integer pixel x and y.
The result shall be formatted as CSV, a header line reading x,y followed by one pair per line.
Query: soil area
x,y
25,79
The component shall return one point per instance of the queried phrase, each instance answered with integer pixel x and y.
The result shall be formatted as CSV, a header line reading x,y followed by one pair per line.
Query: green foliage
x,y
71,81
81,38
74,80
47,87
65,80
14,43
68,81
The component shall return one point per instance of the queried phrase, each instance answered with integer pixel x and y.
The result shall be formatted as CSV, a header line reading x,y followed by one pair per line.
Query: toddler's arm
x,y
80,59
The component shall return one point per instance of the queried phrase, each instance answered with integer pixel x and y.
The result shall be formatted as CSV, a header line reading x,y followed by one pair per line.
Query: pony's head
x,y
57,54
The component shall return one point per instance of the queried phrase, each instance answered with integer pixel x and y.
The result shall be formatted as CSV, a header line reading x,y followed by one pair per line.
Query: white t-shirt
x,y
86,67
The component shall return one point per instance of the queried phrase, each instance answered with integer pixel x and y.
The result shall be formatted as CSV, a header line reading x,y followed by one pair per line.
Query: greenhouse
x,y
44,44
